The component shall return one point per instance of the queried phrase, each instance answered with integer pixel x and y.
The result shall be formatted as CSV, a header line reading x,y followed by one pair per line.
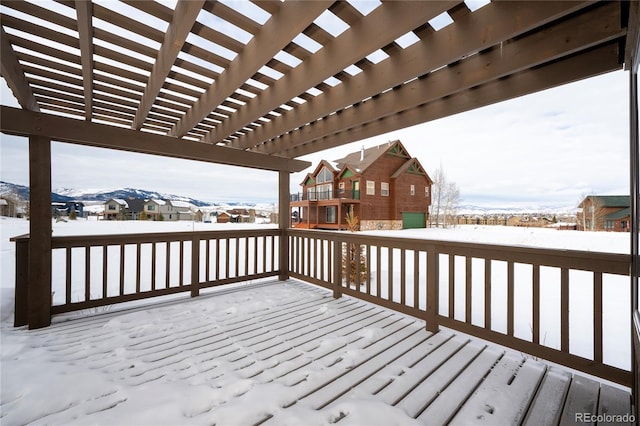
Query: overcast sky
x,y
545,149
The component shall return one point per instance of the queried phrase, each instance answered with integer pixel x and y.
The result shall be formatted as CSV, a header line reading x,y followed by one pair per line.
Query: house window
x,y
371,187
413,190
151,208
384,189
623,224
332,214
426,191
311,193
324,176
341,187
608,224
112,206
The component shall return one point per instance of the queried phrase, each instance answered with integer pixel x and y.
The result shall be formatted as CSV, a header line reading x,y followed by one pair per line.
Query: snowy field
x,y
19,346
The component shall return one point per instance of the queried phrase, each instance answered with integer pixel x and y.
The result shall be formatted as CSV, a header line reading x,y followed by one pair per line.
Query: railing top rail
x,y
613,263
23,237
110,239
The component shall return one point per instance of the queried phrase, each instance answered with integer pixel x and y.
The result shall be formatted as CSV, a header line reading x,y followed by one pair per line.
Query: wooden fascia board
x,y
471,33
290,20
184,16
577,67
366,35
564,39
14,75
84,11
15,121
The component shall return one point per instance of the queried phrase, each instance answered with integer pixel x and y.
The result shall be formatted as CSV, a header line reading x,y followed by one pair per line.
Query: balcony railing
x,y
128,267
325,195
514,296
523,298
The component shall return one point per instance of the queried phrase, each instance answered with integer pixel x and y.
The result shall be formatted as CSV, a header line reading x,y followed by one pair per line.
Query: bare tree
x,y
445,199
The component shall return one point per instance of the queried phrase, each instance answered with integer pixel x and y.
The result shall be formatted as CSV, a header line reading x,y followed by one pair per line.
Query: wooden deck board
x,y
311,353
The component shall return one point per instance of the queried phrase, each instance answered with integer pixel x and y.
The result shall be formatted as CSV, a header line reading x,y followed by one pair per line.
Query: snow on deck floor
x,y
280,354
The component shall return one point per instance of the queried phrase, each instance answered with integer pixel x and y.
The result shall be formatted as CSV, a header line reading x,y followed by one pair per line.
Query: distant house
x,y
169,210
7,207
115,209
65,208
135,207
223,217
383,186
605,213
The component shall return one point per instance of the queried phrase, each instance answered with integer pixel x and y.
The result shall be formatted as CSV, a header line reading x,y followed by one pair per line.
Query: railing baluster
x,y
207,259
487,294
153,265
378,272
337,269
564,310
368,263
121,277
67,297
416,279
452,286
105,270
403,281
195,266
246,256
510,298
138,257
264,253
390,275
87,273
217,259
468,294
226,258
181,270
322,266
597,316
167,277
535,328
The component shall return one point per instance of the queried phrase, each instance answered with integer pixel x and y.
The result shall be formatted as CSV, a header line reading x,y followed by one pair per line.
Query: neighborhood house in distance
x,y
605,213
383,186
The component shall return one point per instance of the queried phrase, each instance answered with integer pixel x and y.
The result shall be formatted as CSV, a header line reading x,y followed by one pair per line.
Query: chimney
x,y
362,153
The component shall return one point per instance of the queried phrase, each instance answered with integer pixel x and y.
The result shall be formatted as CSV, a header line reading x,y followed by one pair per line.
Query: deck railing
x,y
528,299
128,267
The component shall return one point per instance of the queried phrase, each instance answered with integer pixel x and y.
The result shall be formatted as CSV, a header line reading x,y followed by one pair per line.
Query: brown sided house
x,y
605,213
383,186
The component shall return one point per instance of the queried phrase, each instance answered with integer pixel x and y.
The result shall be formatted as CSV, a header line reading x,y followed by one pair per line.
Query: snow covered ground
x,y
25,353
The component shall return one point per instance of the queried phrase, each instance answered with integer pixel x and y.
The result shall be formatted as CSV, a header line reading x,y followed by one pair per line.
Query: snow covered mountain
x,y
86,195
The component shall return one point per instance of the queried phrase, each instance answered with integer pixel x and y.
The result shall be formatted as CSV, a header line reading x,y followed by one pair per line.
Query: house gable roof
x,y
361,160
411,166
608,200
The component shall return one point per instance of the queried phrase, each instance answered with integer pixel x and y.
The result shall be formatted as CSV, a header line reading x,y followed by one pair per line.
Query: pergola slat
x,y
348,48
291,18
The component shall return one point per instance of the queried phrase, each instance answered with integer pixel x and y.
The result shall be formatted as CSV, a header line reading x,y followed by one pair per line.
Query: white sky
x,y
545,149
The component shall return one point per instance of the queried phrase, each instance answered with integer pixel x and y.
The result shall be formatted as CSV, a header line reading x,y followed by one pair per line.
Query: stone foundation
x,y
376,225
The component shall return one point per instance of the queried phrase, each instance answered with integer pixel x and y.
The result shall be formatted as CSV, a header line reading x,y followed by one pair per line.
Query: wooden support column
x,y
284,213
40,229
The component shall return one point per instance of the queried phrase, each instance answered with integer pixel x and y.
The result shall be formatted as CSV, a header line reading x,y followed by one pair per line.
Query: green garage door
x,y
413,220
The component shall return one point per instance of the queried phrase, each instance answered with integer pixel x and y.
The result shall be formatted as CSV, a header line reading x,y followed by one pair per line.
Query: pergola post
x,y
40,229
283,224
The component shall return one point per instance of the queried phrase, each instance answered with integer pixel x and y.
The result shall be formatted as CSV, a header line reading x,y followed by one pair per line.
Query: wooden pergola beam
x,y
84,11
472,32
15,121
290,19
365,36
14,76
184,17
586,64
562,39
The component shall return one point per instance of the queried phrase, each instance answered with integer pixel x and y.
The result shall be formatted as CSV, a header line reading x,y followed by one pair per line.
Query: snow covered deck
x,y
280,353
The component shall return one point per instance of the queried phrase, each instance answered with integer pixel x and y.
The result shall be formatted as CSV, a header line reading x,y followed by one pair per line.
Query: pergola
x,y
258,84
